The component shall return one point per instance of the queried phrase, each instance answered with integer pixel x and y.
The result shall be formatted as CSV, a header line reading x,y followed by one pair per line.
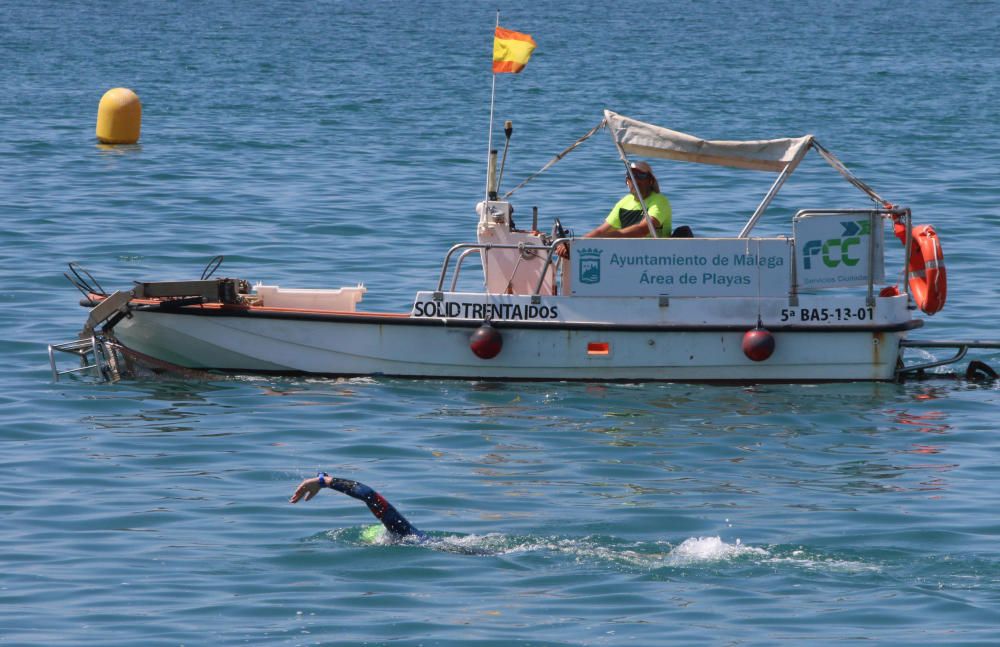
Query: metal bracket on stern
x,y
96,346
112,309
961,348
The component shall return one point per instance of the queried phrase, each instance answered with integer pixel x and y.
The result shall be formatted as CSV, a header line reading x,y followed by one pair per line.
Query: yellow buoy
x,y
119,116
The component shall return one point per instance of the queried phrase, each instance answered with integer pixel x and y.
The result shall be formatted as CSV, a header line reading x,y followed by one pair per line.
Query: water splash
x,y
691,553
700,550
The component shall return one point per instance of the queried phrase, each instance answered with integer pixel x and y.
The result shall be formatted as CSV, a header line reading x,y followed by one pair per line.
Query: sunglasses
x,y
639,175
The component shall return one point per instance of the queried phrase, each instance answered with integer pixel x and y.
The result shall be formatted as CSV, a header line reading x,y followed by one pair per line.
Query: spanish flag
x,y
511,50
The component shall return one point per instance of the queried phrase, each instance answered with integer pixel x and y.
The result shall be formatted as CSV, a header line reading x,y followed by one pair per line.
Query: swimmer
x,y
394,522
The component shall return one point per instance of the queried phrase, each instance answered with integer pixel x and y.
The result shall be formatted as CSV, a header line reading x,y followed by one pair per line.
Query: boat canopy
x,y
781,156
647,140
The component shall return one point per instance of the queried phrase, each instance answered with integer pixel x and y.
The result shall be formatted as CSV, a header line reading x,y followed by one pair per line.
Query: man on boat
x,y
625,219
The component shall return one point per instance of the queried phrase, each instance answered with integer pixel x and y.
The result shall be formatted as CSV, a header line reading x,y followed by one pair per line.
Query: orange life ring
x,y
925,267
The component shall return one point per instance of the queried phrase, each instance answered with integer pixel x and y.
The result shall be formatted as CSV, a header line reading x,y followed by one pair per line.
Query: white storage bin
x,y
339,300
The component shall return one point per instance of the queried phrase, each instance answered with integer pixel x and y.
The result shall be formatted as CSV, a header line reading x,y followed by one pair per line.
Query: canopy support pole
x,y
778,183
766,202
635,185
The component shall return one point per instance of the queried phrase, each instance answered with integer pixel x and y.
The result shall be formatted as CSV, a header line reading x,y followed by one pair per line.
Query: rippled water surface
x,y
325,143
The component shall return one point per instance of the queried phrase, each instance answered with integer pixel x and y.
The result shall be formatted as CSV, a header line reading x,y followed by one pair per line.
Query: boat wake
x,y
690,553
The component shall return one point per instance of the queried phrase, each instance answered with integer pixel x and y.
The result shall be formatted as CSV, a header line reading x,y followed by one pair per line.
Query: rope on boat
x,y
558,157
832,160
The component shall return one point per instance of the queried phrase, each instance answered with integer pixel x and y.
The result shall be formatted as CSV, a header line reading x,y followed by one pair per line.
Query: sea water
x,y
324,144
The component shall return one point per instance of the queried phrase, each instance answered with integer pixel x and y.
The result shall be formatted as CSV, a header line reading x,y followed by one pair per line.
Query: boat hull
x,y
394,345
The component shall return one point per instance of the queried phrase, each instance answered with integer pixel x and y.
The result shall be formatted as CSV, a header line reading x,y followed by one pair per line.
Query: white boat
x,y
810,305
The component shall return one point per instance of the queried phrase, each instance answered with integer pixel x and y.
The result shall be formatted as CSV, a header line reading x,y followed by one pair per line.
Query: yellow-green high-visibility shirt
x,y
628,212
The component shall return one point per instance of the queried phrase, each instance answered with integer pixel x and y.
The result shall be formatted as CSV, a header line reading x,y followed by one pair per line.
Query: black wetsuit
x,y
390,517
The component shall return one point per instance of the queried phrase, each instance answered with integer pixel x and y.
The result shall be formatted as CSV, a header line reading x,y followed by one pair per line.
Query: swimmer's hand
x,y
307,488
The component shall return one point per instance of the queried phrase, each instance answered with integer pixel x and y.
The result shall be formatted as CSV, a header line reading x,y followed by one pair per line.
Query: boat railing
x,y
874,217
548,261
458,268
470,248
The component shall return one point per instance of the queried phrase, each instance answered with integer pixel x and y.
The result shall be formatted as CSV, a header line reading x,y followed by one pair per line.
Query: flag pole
x,y
493,94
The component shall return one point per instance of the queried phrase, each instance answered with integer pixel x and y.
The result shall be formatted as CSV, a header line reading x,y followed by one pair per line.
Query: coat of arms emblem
x,y
589,268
